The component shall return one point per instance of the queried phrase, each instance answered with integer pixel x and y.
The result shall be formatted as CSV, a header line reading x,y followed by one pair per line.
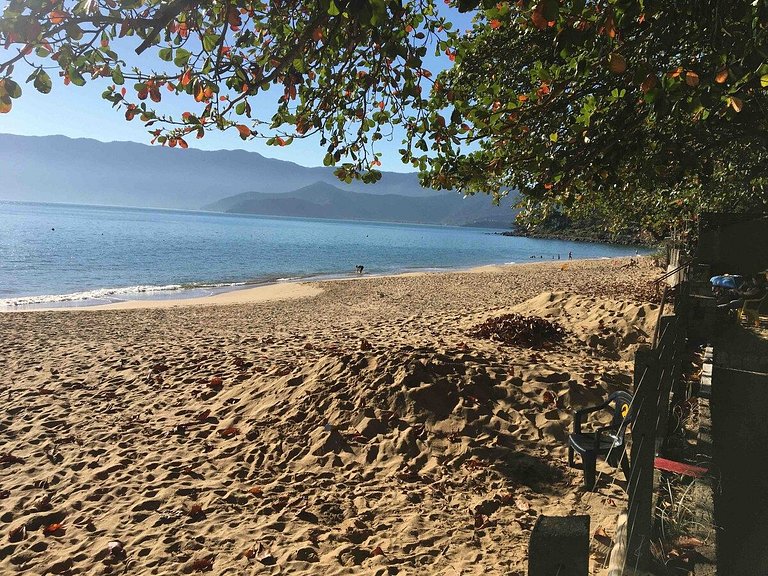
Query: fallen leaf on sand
x,y
194,510
602,537
203,416
377,551
256,490
229,432
216,382
549,397
204,564
479,520
52,528
18,533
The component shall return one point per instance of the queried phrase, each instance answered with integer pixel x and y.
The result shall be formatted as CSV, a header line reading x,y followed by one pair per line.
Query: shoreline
x,y
275,291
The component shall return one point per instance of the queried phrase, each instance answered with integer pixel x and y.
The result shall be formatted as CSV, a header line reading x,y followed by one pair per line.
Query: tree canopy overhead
x,y
636,111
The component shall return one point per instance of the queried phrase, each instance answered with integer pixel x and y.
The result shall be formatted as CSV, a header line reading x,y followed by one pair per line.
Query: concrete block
x,y
559,546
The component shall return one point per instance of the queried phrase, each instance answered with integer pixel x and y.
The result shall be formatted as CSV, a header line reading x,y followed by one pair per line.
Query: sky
x,y
80,112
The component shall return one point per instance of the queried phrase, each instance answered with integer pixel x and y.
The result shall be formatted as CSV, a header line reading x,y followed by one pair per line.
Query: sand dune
x,y
357,430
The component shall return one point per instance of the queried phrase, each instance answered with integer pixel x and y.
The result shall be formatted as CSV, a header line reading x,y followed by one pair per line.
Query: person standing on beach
x,y
570,255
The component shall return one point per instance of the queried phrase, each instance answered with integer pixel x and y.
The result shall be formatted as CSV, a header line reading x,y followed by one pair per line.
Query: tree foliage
x,y
634,111
347,69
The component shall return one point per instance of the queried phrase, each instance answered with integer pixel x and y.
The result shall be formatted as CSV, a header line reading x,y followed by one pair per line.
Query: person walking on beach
x,y
570,255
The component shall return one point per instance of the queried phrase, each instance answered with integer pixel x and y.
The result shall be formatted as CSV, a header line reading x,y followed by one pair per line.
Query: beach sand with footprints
x,y
354,427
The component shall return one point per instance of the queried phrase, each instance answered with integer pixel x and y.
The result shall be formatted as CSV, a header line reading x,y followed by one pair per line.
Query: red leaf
x,y
377,551
52,528
216,382
229,432
495,24
244,131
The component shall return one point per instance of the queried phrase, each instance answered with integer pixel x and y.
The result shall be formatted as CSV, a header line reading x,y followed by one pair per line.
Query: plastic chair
x,y
607,440
751,309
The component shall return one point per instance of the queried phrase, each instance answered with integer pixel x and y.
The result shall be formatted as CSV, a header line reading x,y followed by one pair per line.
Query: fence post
x,y
668,357
640,485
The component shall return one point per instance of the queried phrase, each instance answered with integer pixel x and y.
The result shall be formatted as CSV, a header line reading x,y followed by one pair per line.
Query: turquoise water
x,y
61,254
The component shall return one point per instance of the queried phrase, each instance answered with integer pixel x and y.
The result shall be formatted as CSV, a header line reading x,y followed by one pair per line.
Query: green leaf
x,y
210,41
764,80
42,82
166,54
13,89
75,76
117,76
182,57
240,108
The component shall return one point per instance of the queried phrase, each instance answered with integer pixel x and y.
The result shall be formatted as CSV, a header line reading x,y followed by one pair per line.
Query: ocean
x,y
73,255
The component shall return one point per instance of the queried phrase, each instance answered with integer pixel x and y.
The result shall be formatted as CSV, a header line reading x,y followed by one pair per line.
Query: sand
x,y
339,427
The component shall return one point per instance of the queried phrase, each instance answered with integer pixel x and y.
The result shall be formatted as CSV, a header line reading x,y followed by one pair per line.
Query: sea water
x,y
64,254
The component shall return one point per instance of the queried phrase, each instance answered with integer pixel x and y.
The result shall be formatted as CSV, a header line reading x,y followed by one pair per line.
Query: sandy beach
x,y
336,427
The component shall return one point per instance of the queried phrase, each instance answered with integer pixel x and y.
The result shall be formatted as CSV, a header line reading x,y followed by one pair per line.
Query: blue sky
x,y
80,112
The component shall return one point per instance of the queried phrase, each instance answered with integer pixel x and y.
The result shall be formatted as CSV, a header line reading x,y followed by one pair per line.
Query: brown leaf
x,y
229,432
204,564
18,533
689,542
616,63
203,416
194,510
256,490
538,19
602,537
648,84
691,78
377,551
479,521
549,397
721,76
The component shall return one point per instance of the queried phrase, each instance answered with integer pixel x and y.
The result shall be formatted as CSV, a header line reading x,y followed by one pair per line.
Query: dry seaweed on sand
x,y
519,330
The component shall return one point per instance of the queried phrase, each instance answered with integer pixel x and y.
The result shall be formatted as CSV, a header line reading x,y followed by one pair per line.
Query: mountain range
x,y
62,169
322,200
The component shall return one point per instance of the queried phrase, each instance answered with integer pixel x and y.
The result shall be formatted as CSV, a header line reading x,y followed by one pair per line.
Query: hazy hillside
x,y
60,169
322,200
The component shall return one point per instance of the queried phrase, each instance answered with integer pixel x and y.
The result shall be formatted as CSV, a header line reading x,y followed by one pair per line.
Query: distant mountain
x,y
322,200
61,169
